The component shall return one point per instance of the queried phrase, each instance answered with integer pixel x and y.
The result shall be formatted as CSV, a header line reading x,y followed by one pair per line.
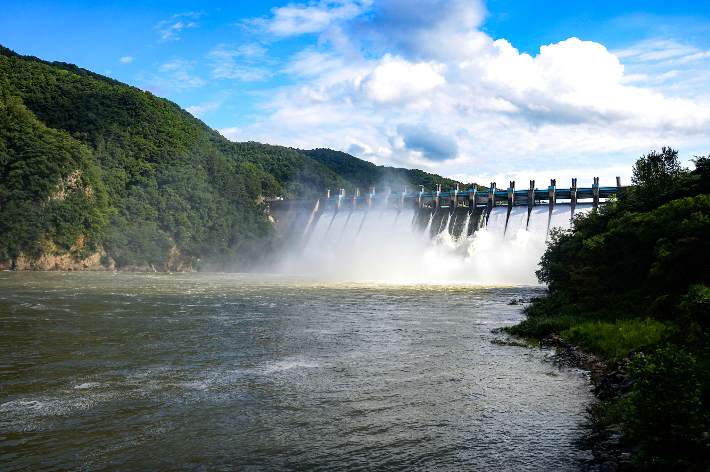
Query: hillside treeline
x,y
634,277
90,164
363,174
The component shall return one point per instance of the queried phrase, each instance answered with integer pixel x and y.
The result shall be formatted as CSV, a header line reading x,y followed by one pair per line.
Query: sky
x,y
478,91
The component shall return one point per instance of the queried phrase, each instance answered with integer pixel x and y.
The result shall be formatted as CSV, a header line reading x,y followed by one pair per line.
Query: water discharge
x,y
419,247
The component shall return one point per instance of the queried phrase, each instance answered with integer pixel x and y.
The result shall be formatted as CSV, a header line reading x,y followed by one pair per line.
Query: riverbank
x,y
632,277
610,379
96,262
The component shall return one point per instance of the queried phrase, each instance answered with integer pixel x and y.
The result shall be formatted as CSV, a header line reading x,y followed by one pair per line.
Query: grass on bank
x,y
615,340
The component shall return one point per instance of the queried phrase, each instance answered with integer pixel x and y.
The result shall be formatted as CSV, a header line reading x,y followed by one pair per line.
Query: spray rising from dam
x,y
489,237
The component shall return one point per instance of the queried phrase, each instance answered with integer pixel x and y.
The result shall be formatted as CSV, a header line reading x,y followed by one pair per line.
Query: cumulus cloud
x,y
395,80
425,87
127,59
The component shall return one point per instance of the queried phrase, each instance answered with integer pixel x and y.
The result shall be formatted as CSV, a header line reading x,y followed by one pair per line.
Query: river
x,y
122,371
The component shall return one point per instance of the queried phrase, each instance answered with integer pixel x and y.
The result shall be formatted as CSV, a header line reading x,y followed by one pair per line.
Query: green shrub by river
x,y
634,276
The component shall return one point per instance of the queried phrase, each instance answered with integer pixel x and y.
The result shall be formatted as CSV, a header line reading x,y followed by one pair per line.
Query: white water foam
x,y
496,220
518,220
387,249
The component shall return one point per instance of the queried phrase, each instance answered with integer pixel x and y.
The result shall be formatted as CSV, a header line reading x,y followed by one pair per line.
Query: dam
x,y
458,213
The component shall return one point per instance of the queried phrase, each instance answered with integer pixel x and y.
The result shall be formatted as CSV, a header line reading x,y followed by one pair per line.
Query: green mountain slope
x,y
51,193
365,174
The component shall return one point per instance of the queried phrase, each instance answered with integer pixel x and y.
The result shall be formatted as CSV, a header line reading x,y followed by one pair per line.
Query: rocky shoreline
x,y
97,262
610,380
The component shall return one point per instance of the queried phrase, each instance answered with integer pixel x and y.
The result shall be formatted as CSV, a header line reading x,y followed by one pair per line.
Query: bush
x,y
664,412
540,327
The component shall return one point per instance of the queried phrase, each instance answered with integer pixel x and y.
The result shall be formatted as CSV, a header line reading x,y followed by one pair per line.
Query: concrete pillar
x,y
618,187
386,199
531,199
573,196
595,192
400,203
511,203
368,198
552,190
339,199
472,198
327,197
356,195
491,197
531,196
435,198
454,198
418,197
511,196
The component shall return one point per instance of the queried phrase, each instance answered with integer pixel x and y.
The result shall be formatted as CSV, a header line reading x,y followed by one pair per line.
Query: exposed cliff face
x,y
56,262
98,261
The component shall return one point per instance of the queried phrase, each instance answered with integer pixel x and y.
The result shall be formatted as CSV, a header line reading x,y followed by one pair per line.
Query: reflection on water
x,y
161,371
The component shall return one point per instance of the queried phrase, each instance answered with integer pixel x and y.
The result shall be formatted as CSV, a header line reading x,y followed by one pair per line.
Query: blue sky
x,y
477,91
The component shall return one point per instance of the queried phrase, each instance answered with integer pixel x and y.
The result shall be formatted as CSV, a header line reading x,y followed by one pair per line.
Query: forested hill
x,y
89,165
365,174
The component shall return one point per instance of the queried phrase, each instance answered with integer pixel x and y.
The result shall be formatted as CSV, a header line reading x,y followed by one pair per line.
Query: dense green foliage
x,y
665,412
635,275
90,163
50,189
295,174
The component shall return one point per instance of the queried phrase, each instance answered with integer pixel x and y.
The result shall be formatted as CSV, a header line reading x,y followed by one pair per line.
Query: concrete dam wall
x,y
456,213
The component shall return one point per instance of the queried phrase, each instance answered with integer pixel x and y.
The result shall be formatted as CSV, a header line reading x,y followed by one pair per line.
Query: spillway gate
x,y
298,217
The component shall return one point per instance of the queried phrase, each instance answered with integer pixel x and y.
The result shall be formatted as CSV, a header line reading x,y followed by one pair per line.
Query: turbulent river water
x,y
117,371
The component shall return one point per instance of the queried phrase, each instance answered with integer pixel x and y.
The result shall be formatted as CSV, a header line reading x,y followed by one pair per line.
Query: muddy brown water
x,y
120,371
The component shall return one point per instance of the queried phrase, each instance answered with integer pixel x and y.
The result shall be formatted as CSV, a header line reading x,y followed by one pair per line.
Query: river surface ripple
x,y
106,371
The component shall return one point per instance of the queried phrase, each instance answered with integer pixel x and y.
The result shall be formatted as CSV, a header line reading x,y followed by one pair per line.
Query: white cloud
x,y
396,80
199,110
315,17
170,29
425,87
173,75
190,14
232,133
655,50
127,59
246,62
